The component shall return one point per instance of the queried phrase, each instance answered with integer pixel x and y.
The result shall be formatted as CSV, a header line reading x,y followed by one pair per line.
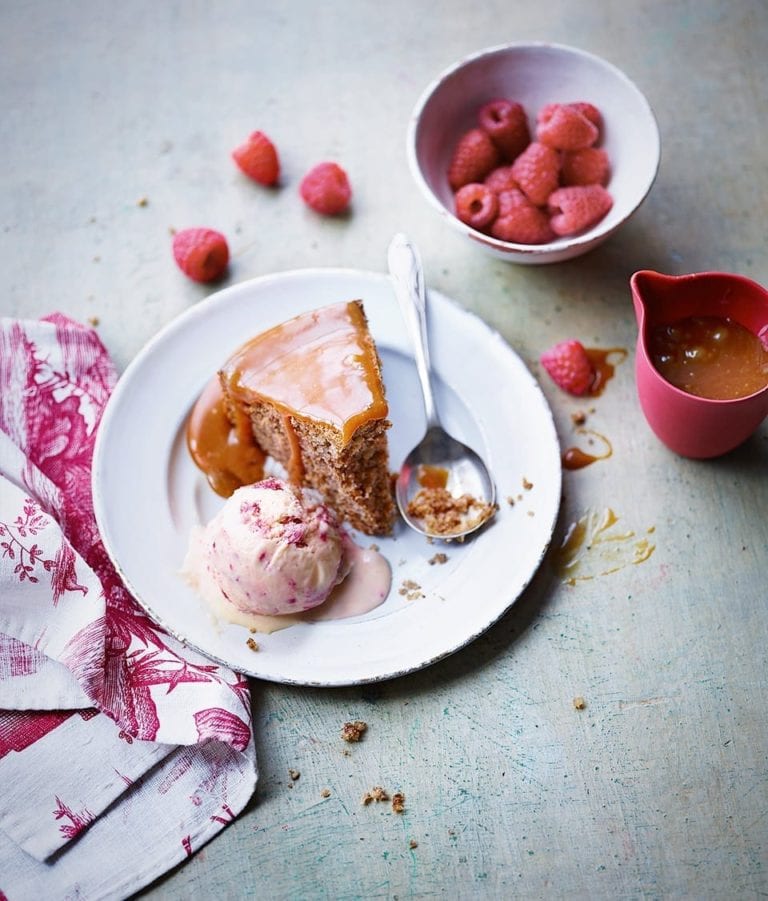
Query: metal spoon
x,y
466,472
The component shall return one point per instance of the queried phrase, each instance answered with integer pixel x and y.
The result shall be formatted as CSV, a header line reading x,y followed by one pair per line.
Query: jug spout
x,y
660,298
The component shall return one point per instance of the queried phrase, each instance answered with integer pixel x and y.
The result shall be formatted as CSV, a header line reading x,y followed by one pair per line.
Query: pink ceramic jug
x,y
689,425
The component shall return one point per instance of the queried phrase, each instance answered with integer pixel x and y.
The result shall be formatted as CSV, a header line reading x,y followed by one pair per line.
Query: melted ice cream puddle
x,y
365,587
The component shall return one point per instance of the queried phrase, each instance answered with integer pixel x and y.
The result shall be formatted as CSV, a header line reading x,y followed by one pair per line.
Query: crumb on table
x,y
438,558
398,802
579,417
413,844
377,793
253,645
294,774
353,731
579,703
527,484
325,793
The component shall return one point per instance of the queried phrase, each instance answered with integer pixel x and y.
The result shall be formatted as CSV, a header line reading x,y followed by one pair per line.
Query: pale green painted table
x,y
657,787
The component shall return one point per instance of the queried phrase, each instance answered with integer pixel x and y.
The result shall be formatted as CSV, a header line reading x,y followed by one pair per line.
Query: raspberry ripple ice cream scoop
x,y
271,549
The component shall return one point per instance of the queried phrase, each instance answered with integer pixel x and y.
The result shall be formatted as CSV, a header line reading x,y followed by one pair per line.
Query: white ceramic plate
x,y
148,494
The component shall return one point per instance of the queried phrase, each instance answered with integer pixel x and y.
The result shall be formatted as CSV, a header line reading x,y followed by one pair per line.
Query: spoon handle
x,y
408,278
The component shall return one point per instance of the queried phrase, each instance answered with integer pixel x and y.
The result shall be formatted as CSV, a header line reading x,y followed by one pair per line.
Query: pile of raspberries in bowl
x,y
536,153
531,189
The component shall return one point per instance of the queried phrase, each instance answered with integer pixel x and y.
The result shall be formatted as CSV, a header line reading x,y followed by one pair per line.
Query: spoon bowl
x,y
440,470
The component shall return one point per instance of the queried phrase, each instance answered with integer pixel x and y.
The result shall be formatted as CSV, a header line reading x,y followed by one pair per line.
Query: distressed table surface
x,y
116,119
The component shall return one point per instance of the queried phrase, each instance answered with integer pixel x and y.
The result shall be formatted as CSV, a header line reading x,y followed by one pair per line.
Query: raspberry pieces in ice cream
x,y
271,549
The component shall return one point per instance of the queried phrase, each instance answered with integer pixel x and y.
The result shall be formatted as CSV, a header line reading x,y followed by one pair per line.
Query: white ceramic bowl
x,y
533,75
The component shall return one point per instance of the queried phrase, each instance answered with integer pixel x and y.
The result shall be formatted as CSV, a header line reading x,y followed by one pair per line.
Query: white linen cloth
x,y
121,751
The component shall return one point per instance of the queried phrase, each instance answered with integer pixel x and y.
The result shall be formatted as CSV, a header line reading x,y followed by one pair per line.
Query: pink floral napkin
x,y
121,750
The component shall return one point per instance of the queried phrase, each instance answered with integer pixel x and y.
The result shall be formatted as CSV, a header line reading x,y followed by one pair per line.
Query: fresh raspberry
x,y
201,253
566,129
590,111
520,221
537,171
257,158
569,366
500,179
586,109
589,166
326,189
506,123
577,208
474,157
476,205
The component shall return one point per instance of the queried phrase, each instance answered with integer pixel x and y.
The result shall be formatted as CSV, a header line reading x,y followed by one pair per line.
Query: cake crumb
x,y
294,774
411,590
413,844
579,703
93,320
253,645
510,500
526,484
579,417
438,558
353,731
442,514
325,793
377,793
398,802
142,201
373,547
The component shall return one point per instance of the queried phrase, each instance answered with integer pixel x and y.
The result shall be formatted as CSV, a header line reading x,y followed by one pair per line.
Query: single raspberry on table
x,y
473,158
537,172
589,166
506,123
326,189
566,129
520,221
202,254
569,366
476,205
500,179
577,208
257,158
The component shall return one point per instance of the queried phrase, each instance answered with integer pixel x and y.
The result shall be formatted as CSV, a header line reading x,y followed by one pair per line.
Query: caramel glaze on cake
x,y
309,394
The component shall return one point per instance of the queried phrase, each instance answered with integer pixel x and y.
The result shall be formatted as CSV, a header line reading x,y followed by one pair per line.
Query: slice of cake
x,y
309,394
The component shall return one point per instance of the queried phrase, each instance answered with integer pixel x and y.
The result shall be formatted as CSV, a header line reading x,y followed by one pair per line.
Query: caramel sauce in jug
x,y
709,356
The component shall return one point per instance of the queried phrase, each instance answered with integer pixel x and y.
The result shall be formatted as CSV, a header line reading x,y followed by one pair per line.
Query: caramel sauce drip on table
x,y
576,458
604,363
604,366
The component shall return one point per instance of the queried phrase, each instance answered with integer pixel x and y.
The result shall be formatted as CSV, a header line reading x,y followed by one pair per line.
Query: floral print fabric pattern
x,y
79,659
